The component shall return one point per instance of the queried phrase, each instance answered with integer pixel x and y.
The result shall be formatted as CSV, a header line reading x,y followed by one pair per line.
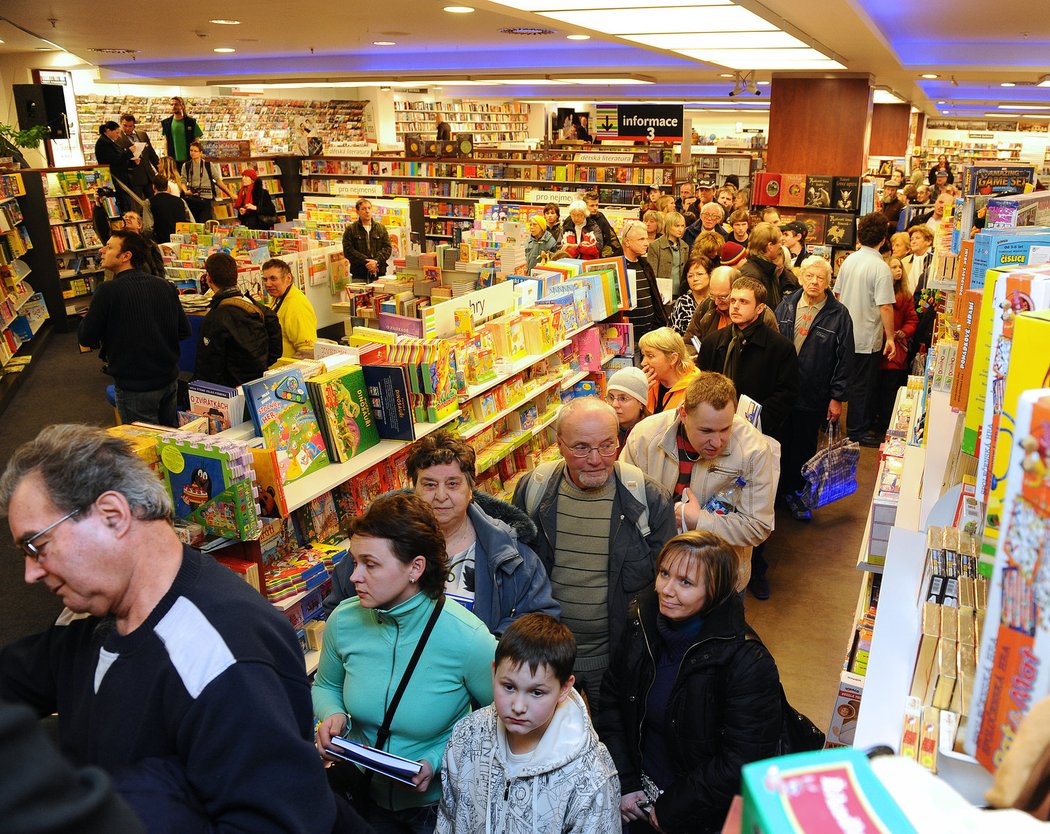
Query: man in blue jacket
x,y
821,329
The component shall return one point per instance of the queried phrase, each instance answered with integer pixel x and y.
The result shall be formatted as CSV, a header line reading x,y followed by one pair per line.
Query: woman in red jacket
x,y
582,238
893,372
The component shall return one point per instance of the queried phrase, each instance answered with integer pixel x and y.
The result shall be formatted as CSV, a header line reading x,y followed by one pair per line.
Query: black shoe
x,y
759,587
870,441
799,511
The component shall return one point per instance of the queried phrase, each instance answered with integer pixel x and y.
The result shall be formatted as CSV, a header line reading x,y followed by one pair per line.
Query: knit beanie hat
x,y
250,172
630,381
540,221
733,254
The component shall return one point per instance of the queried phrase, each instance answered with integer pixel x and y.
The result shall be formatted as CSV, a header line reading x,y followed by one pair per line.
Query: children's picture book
x,y
618,338
285,419
223,406
341,399
266,464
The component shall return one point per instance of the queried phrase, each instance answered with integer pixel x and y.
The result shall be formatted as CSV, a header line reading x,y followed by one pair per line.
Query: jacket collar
x,y
495,538
723,622
222,295
669,443
412,611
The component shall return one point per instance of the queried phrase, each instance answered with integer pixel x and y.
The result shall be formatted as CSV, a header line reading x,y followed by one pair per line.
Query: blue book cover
x,y
285,419
994,248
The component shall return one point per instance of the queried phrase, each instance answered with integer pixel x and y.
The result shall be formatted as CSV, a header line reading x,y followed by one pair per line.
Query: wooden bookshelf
x,y
508,122
271,125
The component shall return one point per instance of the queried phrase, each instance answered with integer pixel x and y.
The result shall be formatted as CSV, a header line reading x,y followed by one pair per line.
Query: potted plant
x,y
11,140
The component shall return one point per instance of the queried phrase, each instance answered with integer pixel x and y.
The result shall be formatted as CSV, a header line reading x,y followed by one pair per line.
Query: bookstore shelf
x,y
472,429
307,489
572,380
517,367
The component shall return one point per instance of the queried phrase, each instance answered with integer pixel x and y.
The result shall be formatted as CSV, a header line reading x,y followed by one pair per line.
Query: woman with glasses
x,y
154,258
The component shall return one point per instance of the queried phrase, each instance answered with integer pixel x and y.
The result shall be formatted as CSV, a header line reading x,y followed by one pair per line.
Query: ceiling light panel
x,y
658,20
763,59
717,40
570,5
1023,107
600,81
886,97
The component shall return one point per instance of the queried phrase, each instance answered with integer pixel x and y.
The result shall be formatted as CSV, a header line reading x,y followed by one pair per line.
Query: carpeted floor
x,y
806,623
65,386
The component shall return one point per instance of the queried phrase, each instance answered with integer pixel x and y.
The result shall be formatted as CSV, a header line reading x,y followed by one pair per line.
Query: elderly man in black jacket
x,y
821,329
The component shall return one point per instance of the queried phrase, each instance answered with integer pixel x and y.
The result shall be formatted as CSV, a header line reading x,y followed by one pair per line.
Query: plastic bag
x,y
831,473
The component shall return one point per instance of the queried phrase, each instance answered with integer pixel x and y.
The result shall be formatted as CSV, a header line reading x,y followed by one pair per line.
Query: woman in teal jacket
x,y
400,568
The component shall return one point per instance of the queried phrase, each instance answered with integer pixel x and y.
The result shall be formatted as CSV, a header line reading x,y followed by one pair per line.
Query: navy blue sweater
x,y
212,683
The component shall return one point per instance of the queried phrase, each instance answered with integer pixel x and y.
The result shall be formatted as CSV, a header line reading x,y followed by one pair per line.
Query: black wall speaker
x,y
41,104
464,144
413,145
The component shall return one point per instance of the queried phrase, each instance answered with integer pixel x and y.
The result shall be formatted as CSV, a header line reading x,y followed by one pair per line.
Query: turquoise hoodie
x,y
364,655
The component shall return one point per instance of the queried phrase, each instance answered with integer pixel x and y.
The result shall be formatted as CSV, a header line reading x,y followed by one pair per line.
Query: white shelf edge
x,y
517,367
475,430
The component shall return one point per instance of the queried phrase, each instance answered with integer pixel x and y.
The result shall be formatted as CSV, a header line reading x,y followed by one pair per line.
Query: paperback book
x,y
285,419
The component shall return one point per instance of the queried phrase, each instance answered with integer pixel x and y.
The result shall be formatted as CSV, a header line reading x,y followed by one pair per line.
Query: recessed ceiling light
x,y
942,102
224,49
1024,107
1008,84
929,75
762,83
384,43
578,37
459,9
726,75
223,22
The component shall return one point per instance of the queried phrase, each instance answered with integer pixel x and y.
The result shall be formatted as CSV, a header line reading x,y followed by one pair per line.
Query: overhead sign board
x,y
641,122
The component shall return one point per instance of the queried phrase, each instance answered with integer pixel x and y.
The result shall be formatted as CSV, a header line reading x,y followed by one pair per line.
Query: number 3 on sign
x,y
651,133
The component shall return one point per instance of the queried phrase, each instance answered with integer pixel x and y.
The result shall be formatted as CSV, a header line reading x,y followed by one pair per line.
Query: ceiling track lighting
x,y
745,83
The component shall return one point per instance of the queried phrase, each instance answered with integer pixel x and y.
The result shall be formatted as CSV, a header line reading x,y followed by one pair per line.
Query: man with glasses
x,y
711,216
601,525
166,670
699,450
136,322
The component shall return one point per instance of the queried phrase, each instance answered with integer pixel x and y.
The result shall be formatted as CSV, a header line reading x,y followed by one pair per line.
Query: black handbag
x,y
797,733
346,778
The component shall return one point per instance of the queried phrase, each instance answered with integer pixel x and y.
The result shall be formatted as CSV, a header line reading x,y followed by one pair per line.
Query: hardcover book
x,y
341,399
818,191
388,396
845,195
841,230
793,190
285,419
816,224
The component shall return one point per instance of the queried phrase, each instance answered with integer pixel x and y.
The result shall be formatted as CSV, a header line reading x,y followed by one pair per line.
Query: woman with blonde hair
x,y
900,245
667,365
669,254
654,224
170,169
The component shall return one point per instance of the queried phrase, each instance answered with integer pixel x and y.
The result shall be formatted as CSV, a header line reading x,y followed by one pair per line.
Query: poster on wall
x,y
65,153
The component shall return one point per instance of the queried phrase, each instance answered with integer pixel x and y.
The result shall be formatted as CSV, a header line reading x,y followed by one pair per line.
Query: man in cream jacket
x,y
699,451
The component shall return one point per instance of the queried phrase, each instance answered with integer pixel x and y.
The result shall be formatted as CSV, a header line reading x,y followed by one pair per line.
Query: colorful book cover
x,y
267,468
624,299
996,179
318,520
768,189
341,399
368,486
618,338
816,224
285,419
388,395
793,190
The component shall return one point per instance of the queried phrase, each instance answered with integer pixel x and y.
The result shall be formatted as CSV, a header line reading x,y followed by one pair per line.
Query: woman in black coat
x,y
691,694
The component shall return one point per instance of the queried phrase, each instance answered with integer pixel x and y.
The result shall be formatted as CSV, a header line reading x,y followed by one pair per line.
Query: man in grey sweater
x,y
601,526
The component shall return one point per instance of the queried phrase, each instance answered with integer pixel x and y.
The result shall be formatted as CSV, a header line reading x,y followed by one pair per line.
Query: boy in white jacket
x,y
530,763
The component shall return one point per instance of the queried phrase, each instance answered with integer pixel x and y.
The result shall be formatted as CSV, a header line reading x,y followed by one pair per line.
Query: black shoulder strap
x,y
384,731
